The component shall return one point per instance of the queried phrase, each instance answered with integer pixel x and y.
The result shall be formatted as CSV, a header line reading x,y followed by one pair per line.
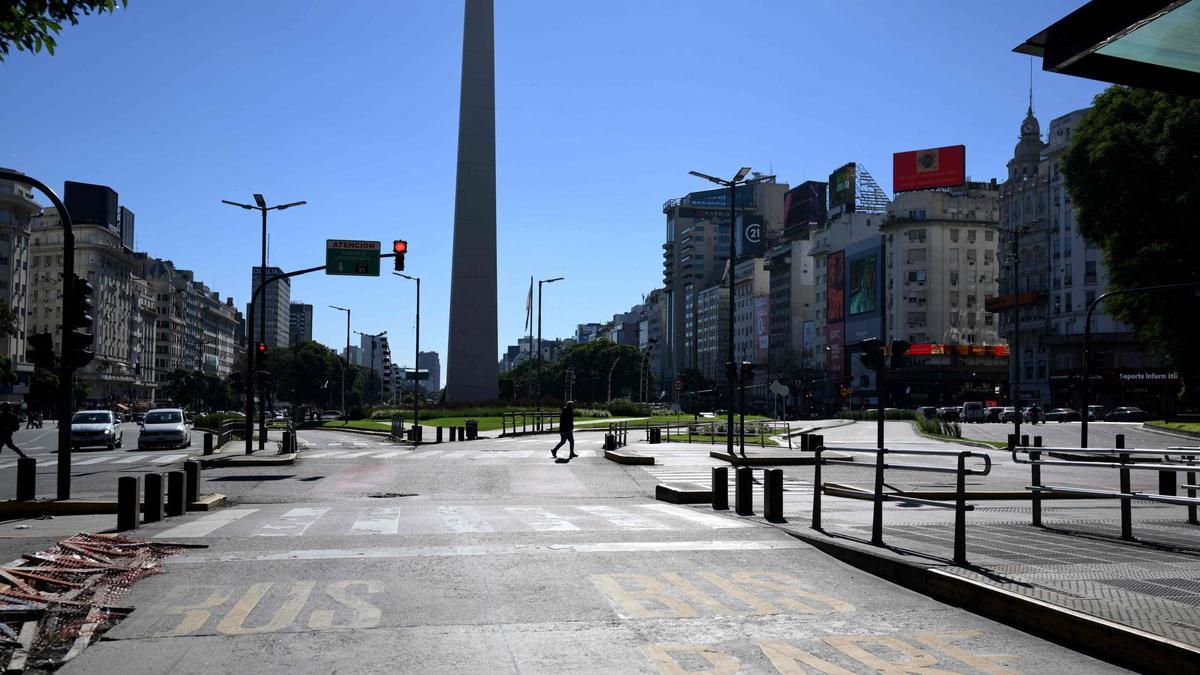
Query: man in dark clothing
x,y
566,429
9,423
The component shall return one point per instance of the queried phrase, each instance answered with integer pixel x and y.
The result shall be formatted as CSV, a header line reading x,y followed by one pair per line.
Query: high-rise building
x,y
432,362
471,369
277,299
300,324
17,208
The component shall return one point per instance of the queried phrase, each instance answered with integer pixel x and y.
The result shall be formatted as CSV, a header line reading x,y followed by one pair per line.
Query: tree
x,y
30,25
1133,169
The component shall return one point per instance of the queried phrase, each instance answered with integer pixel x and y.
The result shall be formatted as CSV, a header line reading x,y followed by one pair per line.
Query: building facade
x,y
17,209
300,323
432,362
277,299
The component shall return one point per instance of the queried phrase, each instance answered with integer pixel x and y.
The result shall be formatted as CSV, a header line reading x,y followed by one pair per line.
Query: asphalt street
x,y
490,556
1067,434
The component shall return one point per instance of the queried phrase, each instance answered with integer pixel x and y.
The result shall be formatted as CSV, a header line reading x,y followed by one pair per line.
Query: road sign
x,y
416,374
846,391
349,257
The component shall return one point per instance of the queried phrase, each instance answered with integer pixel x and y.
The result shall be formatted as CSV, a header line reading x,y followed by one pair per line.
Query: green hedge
x,y
623,407
214,420
889,414
938,427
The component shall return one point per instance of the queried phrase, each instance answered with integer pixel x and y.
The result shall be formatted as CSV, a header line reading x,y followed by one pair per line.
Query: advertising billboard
x,y
125,216
864,284
762,327
749,235
91,204
834,333
835,285
841,187
928,169
804,206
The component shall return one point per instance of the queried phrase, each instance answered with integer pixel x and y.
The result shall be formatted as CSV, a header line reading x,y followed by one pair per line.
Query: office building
x,y
276,298
17,208
300,324
433,363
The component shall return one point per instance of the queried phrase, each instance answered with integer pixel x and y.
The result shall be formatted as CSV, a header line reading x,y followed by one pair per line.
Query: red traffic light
x,y
400,246
262,348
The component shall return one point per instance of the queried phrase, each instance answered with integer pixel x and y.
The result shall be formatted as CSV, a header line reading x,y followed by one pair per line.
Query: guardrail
x,y
530,422
214,439
959,504
617,435
1186,460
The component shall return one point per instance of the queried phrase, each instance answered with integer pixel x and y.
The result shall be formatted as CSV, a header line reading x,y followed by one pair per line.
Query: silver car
x,y
165,428
95,428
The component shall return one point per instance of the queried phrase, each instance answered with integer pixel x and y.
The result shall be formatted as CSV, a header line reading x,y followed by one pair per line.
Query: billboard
x,y
91,204
835,285
125,216
834,335
804,205
928,169
761,327
864,284
749,235
841,187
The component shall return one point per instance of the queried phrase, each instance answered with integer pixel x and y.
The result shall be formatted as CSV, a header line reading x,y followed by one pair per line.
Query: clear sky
x,y
602,108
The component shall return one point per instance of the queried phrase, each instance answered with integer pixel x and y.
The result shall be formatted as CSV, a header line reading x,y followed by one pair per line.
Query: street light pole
x,y
260,205
731,365
373,338
416,352
345,413
538,395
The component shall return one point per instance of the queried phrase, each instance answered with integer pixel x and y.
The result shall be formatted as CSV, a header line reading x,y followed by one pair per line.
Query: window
x,y
952,256
972,254
954,235
1089,272
989,319
953,297
970,300
954,319
988,254
970,236
916,255
1089,297
989,235
953,277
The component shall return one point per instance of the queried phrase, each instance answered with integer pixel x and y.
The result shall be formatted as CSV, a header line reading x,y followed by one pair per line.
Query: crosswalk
x,y
702,476
423,518
46,461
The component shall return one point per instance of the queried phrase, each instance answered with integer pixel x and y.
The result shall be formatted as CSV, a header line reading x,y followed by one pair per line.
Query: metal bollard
x,y
286,446
743,495
720,488
175,484
610,442
773,495
191,482
418,433
1024,440
1035,473
818,485
462,434
128,505
439,434
1126,503
453,434
208,443
152,511
804,446
26,479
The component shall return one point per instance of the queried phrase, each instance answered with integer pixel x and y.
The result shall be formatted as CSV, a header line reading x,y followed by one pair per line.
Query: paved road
x,y
489,556
1067,434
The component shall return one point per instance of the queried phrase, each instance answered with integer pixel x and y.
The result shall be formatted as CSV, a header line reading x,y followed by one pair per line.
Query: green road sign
x,y
352,257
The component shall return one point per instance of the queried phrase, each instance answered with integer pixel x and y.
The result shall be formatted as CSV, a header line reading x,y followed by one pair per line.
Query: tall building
x,y
471,369
300,324
17,208
142,339
432,362
696,251
1058,274
712,333
277,298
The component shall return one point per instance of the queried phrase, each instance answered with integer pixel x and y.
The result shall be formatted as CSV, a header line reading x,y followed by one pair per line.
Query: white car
x,y
165,428
95,427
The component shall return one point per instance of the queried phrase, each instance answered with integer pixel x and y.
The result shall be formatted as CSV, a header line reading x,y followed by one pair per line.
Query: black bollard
x,y
191,482
418,433
286,446
773,495
208,443
152,510
439,434
453,434
804,443
743,495
128,505
26,479
175,503
462,434
720,488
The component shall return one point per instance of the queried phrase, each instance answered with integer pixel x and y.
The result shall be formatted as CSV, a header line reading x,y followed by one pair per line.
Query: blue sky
x,y
602,108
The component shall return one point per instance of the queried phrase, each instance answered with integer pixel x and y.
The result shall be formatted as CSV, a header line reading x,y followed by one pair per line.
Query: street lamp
x,y
1014,258
260,205
345,413
417,352
538,398
732,184
374,337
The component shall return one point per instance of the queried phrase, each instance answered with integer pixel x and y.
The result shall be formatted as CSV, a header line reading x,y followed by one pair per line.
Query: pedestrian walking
x,y
566,429
31,420
9,424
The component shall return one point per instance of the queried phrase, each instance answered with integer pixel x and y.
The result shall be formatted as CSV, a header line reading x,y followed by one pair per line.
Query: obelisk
x,y
471,364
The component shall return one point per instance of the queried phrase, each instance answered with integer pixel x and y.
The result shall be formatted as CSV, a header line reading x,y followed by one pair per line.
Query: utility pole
x,y
346,365
416,352
538,399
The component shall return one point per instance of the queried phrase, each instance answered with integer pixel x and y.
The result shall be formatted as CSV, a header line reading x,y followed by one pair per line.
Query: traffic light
x,y
731,371
899,349
872,353
399,247
41,351
747,372
261,349
77,350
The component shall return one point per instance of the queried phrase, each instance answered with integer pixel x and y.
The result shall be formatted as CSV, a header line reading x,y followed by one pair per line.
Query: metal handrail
x,y
959,504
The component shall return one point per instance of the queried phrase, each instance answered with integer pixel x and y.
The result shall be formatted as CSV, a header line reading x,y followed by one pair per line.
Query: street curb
x,y
1123,645
623,458
1178,433
248,460
88,507
677,494
964,441
803,460
849,492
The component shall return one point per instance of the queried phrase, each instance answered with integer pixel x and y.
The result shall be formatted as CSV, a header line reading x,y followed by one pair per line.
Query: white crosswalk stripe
x,y
387,455
357,454
416,518
167,459
702,476
93,460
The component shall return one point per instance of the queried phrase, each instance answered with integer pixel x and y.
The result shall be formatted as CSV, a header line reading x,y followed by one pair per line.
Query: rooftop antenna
x,y
1030,85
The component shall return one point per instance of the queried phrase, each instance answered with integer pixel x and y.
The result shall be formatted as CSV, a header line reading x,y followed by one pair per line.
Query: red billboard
x,y
835,287
927,169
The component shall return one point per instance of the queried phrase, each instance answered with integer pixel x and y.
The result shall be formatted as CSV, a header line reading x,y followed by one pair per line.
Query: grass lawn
x,y
1177,426
676,419
751,441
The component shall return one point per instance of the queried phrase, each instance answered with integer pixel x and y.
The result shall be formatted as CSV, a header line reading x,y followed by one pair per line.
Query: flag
x,y
529,307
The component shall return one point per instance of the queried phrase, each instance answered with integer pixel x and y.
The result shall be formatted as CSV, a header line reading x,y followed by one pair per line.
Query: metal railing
x,y
617,436
530,422
959,504
762,430
1172,461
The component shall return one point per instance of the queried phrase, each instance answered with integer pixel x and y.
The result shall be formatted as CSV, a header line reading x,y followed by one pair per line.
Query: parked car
x,y
95,427
165,428
950,414
972,411
1063,415
928,411
331,414
1096,412
1009,414
1126,414
992,414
